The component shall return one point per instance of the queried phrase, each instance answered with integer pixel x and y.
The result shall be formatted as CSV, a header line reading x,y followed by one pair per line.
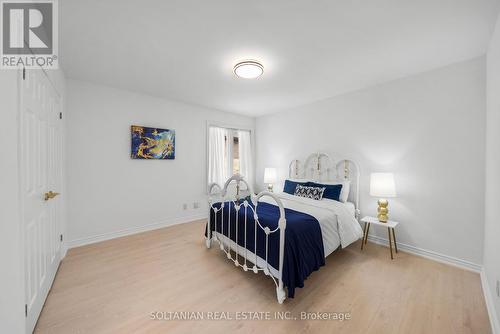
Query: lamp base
x,y
270,187
382,210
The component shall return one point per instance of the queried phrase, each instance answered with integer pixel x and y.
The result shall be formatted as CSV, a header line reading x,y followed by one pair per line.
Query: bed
x,y
284,235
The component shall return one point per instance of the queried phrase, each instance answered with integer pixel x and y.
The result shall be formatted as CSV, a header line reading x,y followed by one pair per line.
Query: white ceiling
x,y
311,50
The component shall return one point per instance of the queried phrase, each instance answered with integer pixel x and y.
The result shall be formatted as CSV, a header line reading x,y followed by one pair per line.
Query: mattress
x,y
327,212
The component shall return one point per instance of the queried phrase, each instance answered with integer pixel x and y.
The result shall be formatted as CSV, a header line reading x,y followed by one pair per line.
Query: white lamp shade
x,y
382,185
270,175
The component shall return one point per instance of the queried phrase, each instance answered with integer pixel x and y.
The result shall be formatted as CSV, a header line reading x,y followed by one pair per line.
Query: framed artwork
x,y
152,143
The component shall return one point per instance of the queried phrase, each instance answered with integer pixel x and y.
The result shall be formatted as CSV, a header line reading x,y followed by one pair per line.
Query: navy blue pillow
x,y
332,191
290,186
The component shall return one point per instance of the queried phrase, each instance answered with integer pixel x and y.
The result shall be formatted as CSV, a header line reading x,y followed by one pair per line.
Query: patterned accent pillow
x,y
309,192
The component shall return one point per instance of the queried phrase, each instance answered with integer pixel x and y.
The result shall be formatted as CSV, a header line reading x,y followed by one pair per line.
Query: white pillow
x,y
344,193
299,180
346,187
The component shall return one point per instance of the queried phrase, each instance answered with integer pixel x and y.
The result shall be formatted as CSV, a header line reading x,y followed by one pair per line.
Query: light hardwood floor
x,y
113,286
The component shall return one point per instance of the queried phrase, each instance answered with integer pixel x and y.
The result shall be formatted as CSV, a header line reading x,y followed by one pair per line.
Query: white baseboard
x,y
133,230
429,254
64,250
489,297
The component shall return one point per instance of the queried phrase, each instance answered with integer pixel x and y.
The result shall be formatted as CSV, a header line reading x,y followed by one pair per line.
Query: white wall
x,y
428,129
492,223
109,193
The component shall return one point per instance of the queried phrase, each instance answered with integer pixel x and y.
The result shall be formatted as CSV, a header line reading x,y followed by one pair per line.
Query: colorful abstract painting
x,y
152,143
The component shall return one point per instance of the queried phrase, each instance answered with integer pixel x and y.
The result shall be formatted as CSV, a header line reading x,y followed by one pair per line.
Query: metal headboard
x,y
321,167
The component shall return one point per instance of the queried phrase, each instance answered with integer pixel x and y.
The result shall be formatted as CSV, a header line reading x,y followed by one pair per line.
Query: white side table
x,y
391,225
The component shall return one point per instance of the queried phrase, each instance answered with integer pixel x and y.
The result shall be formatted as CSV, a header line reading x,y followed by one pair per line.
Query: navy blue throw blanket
x,y
304,251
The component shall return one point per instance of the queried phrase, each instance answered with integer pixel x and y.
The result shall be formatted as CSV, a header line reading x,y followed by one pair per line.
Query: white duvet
x,y
337,222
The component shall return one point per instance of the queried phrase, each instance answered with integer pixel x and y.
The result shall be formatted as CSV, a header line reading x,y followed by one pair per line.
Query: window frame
x,y
233,128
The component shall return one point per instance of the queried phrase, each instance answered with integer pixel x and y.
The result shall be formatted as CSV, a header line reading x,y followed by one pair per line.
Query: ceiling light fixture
x,y
248,69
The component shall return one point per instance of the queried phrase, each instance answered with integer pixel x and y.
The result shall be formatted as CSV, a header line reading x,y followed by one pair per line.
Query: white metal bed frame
x,y
317,167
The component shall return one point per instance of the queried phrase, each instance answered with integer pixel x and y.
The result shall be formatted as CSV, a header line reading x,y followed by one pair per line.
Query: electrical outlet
x,y
196,205
498,288
185,206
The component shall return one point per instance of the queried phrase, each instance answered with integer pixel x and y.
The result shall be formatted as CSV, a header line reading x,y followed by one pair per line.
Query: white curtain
x,y
217,157
246,160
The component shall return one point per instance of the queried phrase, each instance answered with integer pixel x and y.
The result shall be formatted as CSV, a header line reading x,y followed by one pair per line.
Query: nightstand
x,y
391,225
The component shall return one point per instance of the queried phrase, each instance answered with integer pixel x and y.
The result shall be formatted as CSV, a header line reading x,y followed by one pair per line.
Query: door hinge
x,y
24,73
61,237
60,115
26,310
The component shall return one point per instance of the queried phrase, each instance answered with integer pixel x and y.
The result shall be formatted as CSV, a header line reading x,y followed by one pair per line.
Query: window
x,y
233,153
229,153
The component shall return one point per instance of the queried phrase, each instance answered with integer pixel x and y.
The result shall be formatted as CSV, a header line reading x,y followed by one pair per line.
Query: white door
x,y
41,164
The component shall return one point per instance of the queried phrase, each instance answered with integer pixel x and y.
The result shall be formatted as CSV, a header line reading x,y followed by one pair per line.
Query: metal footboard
x,y
243,257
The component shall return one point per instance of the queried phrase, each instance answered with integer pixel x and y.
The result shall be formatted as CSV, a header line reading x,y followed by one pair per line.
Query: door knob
x,y
50,195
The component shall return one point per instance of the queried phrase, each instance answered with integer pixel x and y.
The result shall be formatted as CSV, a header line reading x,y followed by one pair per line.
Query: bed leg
x,y
208,242
280,293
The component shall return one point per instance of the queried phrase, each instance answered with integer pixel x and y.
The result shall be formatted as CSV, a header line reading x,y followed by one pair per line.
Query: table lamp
x,y
382,186
270,178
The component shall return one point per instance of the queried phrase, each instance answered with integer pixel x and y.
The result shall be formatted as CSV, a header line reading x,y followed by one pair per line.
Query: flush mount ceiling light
x,y
248,69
